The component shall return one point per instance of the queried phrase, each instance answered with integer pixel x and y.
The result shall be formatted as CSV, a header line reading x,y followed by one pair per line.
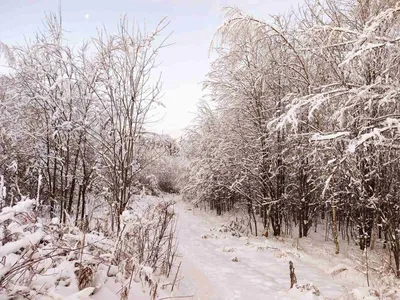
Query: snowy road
x,y
262,271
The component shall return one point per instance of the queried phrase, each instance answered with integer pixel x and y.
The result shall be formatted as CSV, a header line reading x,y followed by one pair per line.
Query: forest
x,y
295,139
304,122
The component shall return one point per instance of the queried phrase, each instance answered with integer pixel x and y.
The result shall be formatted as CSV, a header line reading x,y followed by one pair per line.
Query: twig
x,y
176,275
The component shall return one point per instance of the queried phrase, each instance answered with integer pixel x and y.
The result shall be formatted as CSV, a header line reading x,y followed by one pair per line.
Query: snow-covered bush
x,y
29,248
148,235
43,259
236,227
165,173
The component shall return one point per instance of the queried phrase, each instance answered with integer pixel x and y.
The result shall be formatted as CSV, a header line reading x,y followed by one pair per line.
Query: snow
x,y
147,271
364,294
21,207
27,240
55,221
215,263
331,161
352,147
320,137
3,271
6,215
2,187
262,270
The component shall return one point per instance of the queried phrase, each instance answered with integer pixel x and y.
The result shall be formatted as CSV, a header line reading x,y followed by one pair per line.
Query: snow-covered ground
x,y
262,269
218,264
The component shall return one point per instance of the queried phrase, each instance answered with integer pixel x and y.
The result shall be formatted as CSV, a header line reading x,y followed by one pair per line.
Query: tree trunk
x,y
374,233
335,229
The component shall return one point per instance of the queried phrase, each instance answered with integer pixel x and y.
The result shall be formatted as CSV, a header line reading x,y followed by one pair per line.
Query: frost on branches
x,y
42,259
304,124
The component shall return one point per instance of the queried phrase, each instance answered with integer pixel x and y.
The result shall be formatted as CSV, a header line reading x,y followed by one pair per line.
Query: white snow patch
x,y
27,240
319,137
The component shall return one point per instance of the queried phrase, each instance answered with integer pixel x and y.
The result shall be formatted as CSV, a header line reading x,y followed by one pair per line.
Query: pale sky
x,y
183,65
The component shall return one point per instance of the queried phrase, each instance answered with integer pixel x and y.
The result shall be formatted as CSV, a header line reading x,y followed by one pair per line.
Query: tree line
x,y
74,120
302,122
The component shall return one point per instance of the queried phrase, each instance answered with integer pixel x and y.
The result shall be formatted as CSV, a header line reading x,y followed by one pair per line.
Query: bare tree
x,y
126,90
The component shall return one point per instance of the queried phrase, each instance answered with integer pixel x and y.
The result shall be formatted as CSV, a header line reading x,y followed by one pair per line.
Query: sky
x,y
183,65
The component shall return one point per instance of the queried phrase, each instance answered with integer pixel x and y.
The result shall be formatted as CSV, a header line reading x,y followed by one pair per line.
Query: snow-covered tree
x,y
306,113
